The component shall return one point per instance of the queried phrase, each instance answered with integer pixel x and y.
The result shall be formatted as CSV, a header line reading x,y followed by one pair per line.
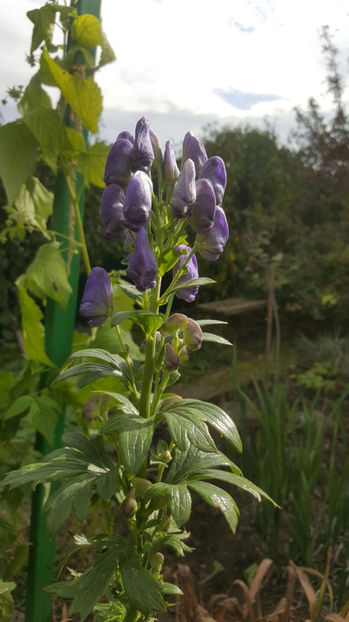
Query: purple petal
x,y
193,149
203,211
187,293
97,299
184,192
143,267
127,135
213,242
156,148
214,170
171,170
112,212
138,200
118,165
142,154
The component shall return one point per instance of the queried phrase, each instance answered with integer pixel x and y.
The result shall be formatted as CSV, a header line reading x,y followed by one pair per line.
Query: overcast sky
x,y
186,63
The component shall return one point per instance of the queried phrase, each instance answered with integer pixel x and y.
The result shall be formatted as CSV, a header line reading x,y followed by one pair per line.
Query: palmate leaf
x,y
172,541
98,353
46,275
236,480
198,411
135,443
124,404
75,493
18,154
192,462
89,373
218,498
141,587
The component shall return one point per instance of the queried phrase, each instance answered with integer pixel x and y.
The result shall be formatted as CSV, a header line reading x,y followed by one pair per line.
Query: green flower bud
x,y
193,335
184,355
141,486
168,401
156,561
171,358
176,321
129,505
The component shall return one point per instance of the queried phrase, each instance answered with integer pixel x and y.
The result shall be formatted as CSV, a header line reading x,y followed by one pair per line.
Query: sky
x,y
187,64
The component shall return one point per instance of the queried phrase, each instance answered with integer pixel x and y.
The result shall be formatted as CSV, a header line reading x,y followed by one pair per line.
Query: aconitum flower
x,y
142,154
97,300
156,149
118,165
137,203
203,210
184,192
186,293
127,135
171,170
193,149
112,212
213,242
214,170
143,267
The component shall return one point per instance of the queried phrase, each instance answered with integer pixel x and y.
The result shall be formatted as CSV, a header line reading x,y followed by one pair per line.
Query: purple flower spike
x,y
213,242
112,212
143,268
142,154
187,293
127,135
202,214
118,165
184,192
171,170
97,300
214,170
138,199
194,149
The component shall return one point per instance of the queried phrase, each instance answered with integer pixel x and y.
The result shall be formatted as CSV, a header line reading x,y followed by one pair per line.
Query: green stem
x,y
79,225
128,363
144,402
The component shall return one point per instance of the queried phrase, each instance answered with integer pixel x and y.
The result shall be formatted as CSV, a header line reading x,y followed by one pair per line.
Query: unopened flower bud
x,y
129,505
112,212
171,358
166,456
138,200
95,406
176,321
184,192
184,355
195,150
186,293
143,267
214,170
142,154
141,486
156,149
203,211
193,335
97,299
213,242
156,561
171,170
127,135
118,165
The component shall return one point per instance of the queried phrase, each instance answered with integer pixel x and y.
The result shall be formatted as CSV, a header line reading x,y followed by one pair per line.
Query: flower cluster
x,y
194,193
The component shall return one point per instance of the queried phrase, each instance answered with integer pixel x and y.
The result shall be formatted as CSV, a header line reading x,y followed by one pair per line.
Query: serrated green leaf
x,y
179,503
34,96
92,370
236,480
21,404
32,328
18,155
202,280
215,339
192,462
89,588
43,20
186,428
45,124
172,541
74,143
83,95
47,276
148,321
43,416
141,587
108,484
171,588
107,55
92,164
97,353
210,413
121,421
127,405
218,498
34,205
86,31
59,505
135,443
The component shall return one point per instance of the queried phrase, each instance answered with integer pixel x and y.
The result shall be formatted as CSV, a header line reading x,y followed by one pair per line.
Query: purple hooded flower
x,y
138,199
112,212
184,192
97,300
127,135
203,211
171,170
156,149
193,149
214,170
142,154
213,242
118,165
187,293
143,268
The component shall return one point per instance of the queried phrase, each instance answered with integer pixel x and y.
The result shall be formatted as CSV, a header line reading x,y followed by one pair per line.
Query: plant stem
x,y
144,403
79,225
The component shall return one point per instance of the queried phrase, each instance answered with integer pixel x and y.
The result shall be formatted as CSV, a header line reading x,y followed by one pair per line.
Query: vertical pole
x,y
59,327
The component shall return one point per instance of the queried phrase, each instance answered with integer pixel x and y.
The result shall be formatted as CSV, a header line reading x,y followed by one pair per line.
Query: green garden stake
x,y
59,327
